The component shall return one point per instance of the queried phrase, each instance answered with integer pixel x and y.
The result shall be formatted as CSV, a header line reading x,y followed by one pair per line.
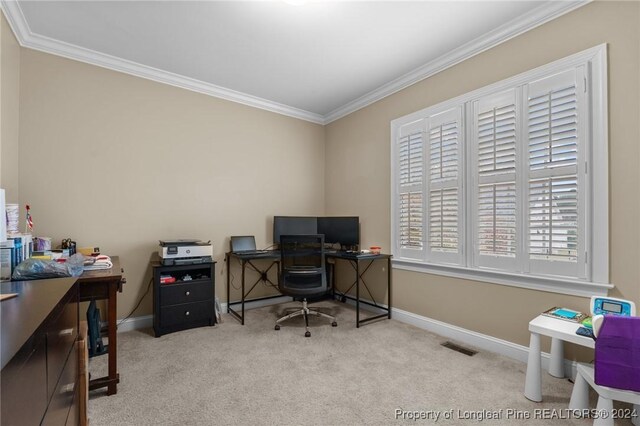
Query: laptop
x,y
245,245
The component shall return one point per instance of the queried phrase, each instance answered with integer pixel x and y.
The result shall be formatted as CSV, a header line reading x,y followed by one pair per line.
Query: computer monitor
x,y
343,230
294,225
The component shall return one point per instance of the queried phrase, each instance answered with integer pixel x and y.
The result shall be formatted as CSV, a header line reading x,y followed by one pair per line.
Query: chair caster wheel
x,y
334,324
307,334
277,327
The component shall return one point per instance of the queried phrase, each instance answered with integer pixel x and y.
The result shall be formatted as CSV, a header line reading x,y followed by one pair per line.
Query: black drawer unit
x,y
183,296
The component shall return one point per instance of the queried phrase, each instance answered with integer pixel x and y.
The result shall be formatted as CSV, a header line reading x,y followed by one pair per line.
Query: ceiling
x,y
317,61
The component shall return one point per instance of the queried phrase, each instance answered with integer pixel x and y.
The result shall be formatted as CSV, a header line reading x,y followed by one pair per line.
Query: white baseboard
x,y
146,321
478,340
459,334
253,304
134,323
469,337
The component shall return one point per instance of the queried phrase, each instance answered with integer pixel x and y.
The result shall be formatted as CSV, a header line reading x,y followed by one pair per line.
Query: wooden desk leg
x,y
112,388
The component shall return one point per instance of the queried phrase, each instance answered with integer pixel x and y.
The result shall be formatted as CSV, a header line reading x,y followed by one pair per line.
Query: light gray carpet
x,y
253,375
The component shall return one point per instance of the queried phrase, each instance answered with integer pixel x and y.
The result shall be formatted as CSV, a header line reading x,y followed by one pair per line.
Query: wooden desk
x,y
104,285
38,383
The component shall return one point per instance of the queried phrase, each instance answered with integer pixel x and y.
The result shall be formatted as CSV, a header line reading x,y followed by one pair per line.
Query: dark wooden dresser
x,y
186,303
39,354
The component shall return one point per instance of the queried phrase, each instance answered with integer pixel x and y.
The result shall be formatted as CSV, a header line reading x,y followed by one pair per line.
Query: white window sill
x,y
549,284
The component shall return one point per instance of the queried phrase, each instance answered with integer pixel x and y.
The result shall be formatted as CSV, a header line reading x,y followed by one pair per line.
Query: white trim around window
x,y
513,184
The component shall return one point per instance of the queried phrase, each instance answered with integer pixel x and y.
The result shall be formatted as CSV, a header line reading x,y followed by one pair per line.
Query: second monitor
x,y
343,230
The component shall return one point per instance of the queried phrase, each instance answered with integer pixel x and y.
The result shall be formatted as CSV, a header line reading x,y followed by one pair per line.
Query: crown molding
x,y
522,24
30,40
526,22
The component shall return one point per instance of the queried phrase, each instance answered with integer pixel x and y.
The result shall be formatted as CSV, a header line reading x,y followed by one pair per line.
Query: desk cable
x,y
268,284
232,277
137,305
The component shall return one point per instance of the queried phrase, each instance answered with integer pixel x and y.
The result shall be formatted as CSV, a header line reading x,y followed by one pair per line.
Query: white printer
x,y
185,252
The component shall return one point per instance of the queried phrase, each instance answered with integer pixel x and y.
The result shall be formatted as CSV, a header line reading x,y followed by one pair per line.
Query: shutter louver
x,y
410,203
497,219
443,220
443,144
444,186
497,141
554,243
553,219
553,187
410,160
410,219
553,129
496,230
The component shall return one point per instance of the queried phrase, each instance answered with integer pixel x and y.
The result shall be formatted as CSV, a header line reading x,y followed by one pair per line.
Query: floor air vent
x,y
458,348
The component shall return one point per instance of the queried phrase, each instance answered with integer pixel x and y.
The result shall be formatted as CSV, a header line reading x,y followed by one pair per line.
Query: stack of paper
x,y
101,262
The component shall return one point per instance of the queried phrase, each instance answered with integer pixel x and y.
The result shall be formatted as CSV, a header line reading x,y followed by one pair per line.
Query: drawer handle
x,y
65,332
187,293
187,313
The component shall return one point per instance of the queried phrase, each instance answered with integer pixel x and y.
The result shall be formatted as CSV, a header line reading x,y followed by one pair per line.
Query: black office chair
x,y
303,274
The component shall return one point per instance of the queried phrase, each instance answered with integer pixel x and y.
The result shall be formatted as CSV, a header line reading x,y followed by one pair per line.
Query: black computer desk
x,y
360,263
273,258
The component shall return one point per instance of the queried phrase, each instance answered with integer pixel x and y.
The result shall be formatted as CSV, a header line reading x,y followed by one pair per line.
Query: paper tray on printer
x,y
179,242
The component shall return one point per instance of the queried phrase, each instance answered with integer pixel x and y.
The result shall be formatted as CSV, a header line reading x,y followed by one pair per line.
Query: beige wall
x,y
121,162
365,135
9,106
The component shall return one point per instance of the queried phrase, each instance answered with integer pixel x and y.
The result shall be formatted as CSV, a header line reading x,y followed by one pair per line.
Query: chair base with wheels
x,y
305,312
606,396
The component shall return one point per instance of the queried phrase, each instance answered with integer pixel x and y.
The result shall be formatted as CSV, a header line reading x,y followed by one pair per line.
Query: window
x,y
410,190
508,183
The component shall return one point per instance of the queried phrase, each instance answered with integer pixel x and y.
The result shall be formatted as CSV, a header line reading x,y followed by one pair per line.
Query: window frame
x,y
595,188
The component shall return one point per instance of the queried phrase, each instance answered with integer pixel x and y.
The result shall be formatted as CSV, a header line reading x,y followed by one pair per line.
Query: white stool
x,y
606,396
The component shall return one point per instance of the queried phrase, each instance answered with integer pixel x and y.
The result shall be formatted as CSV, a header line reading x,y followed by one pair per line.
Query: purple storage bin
x,y
617,353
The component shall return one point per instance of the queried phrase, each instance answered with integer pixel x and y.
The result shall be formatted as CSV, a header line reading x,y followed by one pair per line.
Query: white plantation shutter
x,y
496,196
410,230
497,219
443,220
553,219
509,183
444,186
556,130
497,137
